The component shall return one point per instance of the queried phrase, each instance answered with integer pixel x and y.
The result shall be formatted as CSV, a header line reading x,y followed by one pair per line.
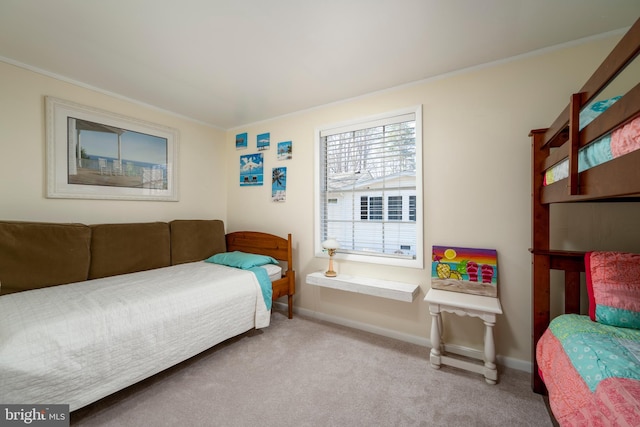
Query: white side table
x,y
463,304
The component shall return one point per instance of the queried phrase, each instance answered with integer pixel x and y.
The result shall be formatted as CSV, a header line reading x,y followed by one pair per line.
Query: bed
x,y
78,342
589,153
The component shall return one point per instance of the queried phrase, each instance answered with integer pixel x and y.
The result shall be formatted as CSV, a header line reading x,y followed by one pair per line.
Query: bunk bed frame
x,y
616,180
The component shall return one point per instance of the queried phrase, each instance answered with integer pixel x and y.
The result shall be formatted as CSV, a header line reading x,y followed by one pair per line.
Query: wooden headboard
x,y
274,246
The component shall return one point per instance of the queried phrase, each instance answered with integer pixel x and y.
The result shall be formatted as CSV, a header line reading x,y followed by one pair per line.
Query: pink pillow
x,y
613,285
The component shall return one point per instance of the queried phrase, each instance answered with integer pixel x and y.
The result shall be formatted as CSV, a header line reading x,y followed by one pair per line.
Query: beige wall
x,y
476,181
202,189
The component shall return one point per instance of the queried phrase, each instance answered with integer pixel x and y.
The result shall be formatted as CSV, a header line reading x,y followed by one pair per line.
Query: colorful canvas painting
x,y
263,141
241,141
279,184
285,150
251,169
466,270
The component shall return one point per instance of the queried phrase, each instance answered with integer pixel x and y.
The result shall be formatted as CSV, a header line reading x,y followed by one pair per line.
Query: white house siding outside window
x,y
369,188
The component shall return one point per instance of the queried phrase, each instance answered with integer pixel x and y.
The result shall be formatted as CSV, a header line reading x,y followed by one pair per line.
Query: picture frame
x,y
241,141
279,184
263,141
285,150
97,154
465,270
251,170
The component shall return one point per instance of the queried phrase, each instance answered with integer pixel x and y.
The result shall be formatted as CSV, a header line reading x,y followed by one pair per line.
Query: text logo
x,y
34,415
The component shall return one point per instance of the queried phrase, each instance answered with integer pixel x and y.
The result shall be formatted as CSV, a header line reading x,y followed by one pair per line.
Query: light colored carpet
x,y
303,372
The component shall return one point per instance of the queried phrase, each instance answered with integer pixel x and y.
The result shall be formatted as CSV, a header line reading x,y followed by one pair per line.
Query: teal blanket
x,y
265,284
598,351
249,262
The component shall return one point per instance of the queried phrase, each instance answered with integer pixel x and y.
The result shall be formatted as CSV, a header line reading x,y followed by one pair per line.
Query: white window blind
x,y
369,179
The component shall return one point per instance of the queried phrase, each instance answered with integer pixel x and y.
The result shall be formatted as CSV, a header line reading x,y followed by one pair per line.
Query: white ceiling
x,y
229,63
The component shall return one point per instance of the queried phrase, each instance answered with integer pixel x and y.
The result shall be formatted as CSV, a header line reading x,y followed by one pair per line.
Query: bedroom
x,y
477,119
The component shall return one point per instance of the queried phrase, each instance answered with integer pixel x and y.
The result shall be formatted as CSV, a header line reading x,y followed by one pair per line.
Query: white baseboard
x,y
521,365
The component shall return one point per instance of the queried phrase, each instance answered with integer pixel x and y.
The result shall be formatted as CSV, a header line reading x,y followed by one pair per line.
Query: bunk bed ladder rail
x,y
575,106
540,279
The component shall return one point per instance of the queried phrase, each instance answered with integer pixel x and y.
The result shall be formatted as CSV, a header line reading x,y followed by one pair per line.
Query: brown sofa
x,y
61,344
36,254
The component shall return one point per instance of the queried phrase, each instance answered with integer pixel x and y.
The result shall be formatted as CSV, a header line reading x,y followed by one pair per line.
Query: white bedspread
x,y
77,343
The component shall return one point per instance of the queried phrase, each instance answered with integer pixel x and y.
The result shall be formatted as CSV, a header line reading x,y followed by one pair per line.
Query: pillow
x,y
613,285
241,259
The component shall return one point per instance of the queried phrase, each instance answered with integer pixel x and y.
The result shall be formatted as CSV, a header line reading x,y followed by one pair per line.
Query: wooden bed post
x,y
574,141
540,276
291,274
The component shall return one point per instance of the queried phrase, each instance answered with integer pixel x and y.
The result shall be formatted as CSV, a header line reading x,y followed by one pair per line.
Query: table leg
x,y
490,370
436,327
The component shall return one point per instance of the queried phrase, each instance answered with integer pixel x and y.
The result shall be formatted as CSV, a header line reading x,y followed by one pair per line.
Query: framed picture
x,y
285,150
251,170
278,184
465,270
95,154
263,141
241,141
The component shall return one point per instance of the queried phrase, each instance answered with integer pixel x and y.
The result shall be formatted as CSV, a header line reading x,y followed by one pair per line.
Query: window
x,y
370,208
364,208
369,188
394,210
412,208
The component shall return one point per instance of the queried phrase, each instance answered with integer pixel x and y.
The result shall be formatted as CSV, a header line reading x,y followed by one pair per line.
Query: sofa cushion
x,y
127,248
36,254
196,240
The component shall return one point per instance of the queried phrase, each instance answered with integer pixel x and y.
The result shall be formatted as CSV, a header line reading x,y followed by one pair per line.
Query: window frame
x,y
365,122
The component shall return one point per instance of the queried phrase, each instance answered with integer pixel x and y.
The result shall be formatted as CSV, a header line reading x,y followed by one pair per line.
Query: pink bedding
x,y
622,141
609,399
615,403
626,139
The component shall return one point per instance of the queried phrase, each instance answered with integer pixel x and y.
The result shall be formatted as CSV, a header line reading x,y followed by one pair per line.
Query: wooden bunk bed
x,y
615,180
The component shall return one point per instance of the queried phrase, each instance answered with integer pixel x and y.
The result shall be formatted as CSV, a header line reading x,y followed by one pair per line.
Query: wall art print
x,y
285,150
279,184
263,141
466,270
251,169
241,141
97,154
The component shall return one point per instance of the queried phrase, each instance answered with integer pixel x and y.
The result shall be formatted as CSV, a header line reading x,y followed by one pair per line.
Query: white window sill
x,y
366,285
